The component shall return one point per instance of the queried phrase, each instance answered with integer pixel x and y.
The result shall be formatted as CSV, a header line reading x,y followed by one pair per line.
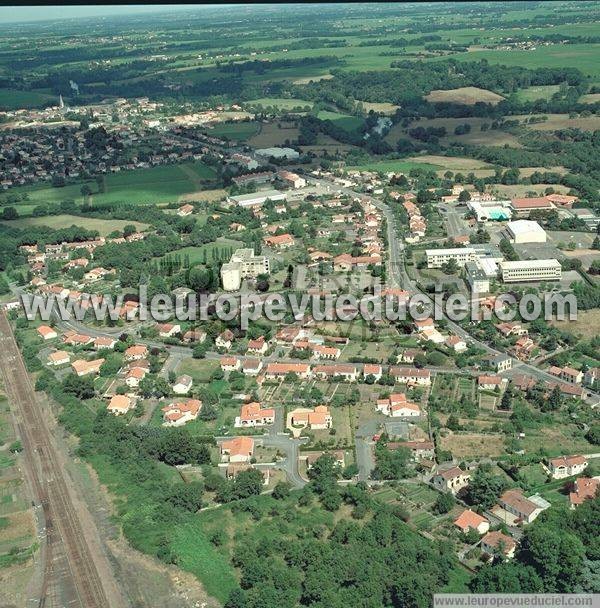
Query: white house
x,y
182,385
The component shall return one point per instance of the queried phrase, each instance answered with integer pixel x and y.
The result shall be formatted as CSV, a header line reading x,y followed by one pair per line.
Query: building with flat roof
x,y
243,264
490,210
256,198
530,270
288,153
525,231
436,258
476,278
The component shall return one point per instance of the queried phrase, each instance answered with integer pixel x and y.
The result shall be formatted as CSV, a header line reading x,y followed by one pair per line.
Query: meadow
x,y
56,222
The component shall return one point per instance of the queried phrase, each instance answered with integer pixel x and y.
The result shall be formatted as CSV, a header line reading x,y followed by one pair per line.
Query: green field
x,y
581,56
156,185
196,254
238,131
535,93
13,99
281,103
346,122
398,166
57,222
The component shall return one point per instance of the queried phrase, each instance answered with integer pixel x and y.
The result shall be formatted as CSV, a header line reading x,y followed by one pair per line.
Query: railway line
x,y
69,576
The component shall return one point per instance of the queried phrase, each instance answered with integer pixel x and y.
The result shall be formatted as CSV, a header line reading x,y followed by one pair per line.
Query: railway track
x,y
81,583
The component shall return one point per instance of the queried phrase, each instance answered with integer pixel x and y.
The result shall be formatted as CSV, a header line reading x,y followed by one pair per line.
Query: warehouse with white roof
x,y
525,231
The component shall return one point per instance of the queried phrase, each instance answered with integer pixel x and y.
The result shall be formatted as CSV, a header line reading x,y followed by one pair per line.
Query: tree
x,y
485,487
82,387
464,196
444,503
186,496
554,400
9,213
593,435
281,490
248,483
324,473
506,577
450,267
4,286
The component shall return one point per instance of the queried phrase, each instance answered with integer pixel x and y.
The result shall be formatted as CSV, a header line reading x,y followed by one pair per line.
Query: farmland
x,y
104,227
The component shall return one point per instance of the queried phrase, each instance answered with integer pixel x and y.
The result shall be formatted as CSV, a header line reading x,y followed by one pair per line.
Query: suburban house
x,y
138,351
194,335
524,509
280,370
47,333
419,449
497,543
102,342
317,419
185,210
258,347
59,357
501,363
75,339
225,340
397,406
567,374
119,404
134,376
591,376
311,457
451,480
182,385
411,376
373,369
237,449
252,367
346,371
252,414
489,383
458,345
230,364
584,488
83,368
469,520
168,330
326,352
181,412
282,241
567,466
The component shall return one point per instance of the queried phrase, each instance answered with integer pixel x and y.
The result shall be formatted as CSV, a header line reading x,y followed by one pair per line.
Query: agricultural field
x,y
56,222
464,95
236,131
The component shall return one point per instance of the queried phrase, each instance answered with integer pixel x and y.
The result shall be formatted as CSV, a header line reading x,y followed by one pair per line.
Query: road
x,y
76,570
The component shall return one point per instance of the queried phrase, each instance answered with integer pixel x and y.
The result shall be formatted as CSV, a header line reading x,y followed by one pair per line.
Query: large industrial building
x,y
530,270
288,153
256,198
525,231
243,264
485,210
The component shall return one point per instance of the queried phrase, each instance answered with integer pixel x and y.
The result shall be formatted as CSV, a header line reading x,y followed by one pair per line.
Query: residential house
x,y
373,369
411,376
317,419
183,384
451,480
584,488
345,371
253,414
84,368
280,370
194,335
181,412
258,347
469,520
185,210
418,449
59,357
230,364
458,345
489,383
524,509
397,406
168,330
134,376
282,241
119,405
496,543
252,367
46,332
136,352
237,449
567,466
102,343
225,340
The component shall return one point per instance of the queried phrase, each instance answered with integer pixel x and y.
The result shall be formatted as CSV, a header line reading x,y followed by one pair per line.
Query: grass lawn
x,y
57,222
346,122
156,185
14,99
281,102
535,93
200,370
239,131
396,166
196,254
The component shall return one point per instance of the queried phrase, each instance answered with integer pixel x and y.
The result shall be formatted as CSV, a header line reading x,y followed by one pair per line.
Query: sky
x,y
15,14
